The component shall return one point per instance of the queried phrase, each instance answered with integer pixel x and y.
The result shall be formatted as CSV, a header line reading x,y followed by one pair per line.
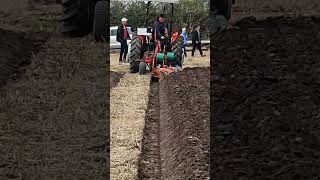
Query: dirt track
x,y
265,101
16,51
176,134
114,78
53,116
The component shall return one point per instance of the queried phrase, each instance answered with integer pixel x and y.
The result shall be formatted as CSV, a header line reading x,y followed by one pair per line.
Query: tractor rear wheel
x,y
224,7
135,53
100,30
78,17
178,52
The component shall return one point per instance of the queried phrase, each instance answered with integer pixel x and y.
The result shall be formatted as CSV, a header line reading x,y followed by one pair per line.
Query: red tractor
x,y
145,52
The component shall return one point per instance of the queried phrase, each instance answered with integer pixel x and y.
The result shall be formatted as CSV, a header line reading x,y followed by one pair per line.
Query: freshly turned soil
x,y
176,134
265,105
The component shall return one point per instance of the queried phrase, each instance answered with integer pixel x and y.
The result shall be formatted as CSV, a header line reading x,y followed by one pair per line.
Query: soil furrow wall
x,y
184,124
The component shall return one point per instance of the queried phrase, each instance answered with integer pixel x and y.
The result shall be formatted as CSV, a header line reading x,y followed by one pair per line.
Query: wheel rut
x,y
150,159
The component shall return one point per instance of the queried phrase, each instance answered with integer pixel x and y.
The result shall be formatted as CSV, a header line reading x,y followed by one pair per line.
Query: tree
x,y
117,11
136,11
188,13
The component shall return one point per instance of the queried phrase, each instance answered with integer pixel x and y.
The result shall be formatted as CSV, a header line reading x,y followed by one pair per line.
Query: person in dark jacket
x,y
160,31
122,37
196,41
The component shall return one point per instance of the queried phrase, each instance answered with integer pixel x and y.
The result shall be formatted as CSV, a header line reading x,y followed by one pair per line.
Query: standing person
x,y
160,31
185,39
122,37
196,41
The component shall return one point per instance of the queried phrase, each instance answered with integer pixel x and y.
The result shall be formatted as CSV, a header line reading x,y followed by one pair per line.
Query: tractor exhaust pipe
x,y
146,18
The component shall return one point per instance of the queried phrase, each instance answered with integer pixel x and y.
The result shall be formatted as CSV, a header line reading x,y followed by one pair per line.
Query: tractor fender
x,y
141,38
174,37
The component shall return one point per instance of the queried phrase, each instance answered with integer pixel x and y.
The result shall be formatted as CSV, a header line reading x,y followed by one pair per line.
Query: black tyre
x,y
100,30
229,9
78,17
218,23
135,53
224,7
142,68
178,52
154,79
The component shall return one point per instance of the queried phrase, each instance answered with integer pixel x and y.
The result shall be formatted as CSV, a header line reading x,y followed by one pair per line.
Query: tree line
x,y
188,14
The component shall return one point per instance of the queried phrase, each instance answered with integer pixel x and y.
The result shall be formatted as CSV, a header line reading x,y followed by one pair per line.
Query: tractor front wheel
x,y
142,68
78,17
224,7
135,53
100,30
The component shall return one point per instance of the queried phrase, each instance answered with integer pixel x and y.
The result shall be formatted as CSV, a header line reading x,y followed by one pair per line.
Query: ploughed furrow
x,y
150,160
176,135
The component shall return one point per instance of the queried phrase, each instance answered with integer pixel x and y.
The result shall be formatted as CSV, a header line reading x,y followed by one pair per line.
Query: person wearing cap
x,y
161,31
122,37
185,39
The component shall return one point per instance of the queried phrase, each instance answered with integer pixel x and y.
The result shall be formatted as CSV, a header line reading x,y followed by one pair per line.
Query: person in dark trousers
x,y
160,31
185,39
196,41
122,37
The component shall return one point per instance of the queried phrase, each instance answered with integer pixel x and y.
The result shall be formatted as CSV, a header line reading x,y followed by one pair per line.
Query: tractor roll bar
x,y
172,10
146,18
171,21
